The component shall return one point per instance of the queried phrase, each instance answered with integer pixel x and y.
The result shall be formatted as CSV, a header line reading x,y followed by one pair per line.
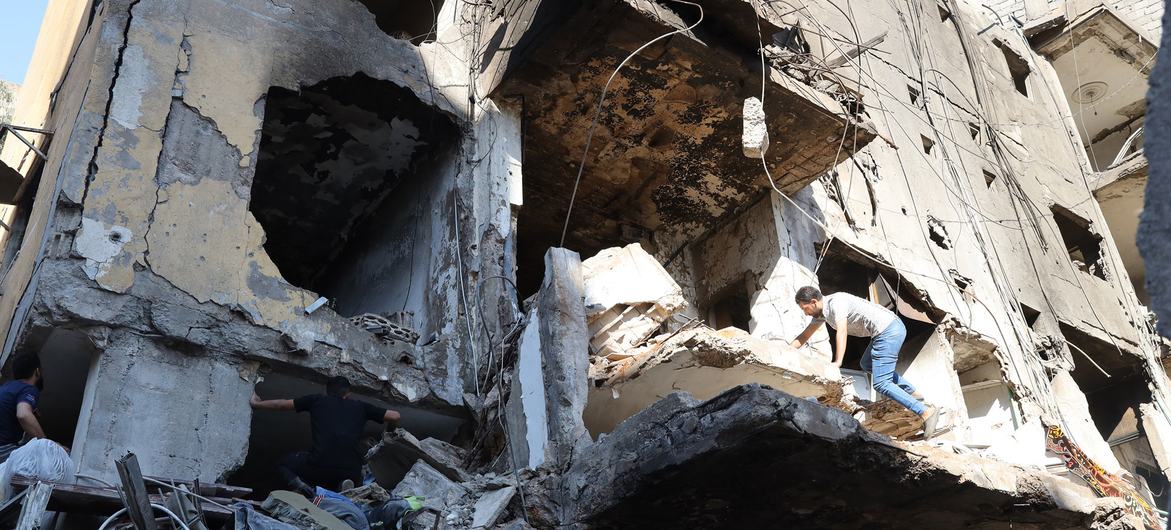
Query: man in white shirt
x,y
850,315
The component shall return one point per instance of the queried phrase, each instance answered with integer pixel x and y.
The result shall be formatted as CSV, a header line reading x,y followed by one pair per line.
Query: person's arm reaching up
x,y
28,420
271,404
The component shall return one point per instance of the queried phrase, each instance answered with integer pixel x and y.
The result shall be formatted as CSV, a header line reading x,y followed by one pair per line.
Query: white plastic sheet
x,y
39,459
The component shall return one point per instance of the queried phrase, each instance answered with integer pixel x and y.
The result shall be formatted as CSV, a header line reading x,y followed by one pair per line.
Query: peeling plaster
x,y
98,244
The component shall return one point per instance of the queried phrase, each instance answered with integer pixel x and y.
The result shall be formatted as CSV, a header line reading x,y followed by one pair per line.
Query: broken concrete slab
x,y
425,481
397,452
703,362
628,296
755,457
490,506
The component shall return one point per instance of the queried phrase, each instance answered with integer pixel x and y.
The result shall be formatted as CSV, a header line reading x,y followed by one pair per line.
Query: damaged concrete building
x,y
564,238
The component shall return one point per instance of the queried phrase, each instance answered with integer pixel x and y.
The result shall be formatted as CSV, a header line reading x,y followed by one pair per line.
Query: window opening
x,y
989,178
928,144
1083,245
1018,67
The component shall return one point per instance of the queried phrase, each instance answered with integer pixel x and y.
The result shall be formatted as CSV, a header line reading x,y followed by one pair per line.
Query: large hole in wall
x,y
278,433
347,176
730,307
988,401
67,359
1114,404
1094,358
412,20
1115,411
1018,67
1084,246
840,271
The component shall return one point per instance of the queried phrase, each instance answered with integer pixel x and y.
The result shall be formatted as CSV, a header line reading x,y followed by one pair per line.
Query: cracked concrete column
x,y
184,415
545,423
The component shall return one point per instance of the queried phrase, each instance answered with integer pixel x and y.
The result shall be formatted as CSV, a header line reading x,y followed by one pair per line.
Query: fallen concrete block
x,y
425,481
628,296
398,451
490,506
754,457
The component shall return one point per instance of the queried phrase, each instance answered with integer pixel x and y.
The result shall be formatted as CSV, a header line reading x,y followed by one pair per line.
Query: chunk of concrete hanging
x,y
628,296
755,138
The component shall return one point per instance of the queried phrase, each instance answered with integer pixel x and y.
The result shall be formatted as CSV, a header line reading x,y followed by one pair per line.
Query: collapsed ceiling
x,y
666,153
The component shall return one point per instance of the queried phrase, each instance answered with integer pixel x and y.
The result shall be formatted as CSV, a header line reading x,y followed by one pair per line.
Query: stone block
x,y
490,506
755,138
425,481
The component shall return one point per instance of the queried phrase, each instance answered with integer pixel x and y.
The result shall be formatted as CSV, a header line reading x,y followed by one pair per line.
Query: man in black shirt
x,y
337,423
18,404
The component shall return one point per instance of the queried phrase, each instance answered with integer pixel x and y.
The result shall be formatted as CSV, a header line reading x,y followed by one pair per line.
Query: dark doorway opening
x,y
278,433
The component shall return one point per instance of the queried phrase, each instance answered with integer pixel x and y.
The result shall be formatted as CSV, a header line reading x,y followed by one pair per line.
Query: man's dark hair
x,y
337,386
808,294
24,366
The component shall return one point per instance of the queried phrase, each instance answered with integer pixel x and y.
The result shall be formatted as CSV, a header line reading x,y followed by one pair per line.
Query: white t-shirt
x,y
863,317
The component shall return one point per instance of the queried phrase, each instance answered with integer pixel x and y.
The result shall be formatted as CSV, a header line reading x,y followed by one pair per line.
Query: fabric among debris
x,y
246,518
40,459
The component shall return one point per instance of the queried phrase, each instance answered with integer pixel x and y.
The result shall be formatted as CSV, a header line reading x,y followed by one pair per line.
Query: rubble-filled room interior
x,y
564,242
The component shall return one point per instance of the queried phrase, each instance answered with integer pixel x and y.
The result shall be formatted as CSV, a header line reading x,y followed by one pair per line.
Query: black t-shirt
x,y
13,393
337,425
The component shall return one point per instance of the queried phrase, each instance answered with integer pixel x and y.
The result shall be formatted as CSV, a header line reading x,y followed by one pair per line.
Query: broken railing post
x,y
32,510
134,493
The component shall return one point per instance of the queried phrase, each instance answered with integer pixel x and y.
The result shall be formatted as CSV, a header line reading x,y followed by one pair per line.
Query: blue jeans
x,y
880,358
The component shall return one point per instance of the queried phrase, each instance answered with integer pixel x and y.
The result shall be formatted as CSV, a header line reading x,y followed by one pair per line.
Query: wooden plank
x,y
74,498
134,489
32,510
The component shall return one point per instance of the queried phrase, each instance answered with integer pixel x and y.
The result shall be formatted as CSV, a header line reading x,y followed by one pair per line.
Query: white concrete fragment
x,y
628,295
98,244
755,137
490,506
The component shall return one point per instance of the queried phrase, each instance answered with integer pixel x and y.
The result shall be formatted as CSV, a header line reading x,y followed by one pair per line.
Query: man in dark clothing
x,y
337,423
18,404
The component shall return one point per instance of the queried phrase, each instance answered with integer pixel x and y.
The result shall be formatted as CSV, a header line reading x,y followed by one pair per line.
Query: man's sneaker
x,y
931,422
301,487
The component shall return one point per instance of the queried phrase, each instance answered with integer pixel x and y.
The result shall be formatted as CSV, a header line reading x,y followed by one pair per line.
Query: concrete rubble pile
x,y
640,351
